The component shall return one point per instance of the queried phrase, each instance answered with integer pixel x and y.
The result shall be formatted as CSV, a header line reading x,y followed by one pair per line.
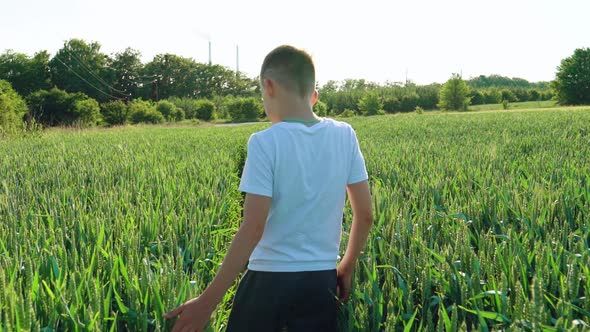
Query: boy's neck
x,y
297,110
294,108
302,114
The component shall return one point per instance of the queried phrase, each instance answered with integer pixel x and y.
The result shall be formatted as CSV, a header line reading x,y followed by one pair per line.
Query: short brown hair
x,y
292,68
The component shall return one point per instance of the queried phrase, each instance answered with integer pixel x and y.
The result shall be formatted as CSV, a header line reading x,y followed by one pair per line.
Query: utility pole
x,y
237,61
406,76
209,52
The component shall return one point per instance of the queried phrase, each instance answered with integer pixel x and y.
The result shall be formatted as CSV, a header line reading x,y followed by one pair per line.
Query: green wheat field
x,y
481,223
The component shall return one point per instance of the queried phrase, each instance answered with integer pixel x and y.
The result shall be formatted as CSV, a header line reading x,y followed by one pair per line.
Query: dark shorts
x,y
285,301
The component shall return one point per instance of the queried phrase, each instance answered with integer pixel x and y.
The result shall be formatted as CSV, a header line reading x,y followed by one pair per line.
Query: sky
x,y
422,40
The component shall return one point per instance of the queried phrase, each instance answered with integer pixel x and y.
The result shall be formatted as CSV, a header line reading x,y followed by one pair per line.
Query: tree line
x,y
79,84
81,67
406,97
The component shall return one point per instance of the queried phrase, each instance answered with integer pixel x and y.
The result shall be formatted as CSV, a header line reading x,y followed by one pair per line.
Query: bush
x,y
12,107
477,97
243,109
147,116
179,115
505,104
428,96
522,94
419,110
547,95
370,104
320,108
115,112
188,105
205,109
347,113
409,102
57,107
88,111
221,106
142,111
492,96
391,104
167,109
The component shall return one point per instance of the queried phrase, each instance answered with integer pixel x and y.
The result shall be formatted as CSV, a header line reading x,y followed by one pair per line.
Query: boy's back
x,y
296,179
305,169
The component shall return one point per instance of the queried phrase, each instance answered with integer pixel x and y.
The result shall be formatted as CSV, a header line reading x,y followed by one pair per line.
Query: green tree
x,y
572,82
239,85
370,104
124,70
454,94
81,67
484,82
330,87
12,107
181,77
173,77
24,73
115,112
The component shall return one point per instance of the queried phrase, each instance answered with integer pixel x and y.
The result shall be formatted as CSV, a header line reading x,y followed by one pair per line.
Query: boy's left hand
x,y
194,315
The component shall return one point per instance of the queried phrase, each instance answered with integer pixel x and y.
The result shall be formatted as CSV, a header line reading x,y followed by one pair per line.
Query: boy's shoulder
x,y
336,123
279,130
326,122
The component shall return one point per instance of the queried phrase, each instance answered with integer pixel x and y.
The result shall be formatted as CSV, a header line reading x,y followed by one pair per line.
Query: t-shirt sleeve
x,y
257,177
358,170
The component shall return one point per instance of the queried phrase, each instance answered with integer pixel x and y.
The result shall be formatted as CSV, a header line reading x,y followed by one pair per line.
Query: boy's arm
x,y
256,209
197,312
362,220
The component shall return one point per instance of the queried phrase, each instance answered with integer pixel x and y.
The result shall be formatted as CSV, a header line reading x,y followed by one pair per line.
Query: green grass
x,y
518,105
481,222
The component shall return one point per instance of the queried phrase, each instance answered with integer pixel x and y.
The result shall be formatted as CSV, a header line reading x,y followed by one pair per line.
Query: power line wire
x,y
125,93
83,79
87,68
139,81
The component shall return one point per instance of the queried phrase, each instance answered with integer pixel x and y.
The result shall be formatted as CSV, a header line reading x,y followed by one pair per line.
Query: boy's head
x,y
287,75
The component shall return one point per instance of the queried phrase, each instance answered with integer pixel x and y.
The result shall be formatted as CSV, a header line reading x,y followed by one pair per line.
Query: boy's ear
x,y
269,87
314,97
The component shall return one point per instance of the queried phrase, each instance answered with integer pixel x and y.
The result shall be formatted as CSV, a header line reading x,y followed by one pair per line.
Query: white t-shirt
x,y
305,169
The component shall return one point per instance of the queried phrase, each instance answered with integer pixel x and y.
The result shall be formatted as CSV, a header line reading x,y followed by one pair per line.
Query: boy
x,y
296,176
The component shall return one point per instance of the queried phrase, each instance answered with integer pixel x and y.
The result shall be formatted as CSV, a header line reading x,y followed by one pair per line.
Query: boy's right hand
x,y
344,282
